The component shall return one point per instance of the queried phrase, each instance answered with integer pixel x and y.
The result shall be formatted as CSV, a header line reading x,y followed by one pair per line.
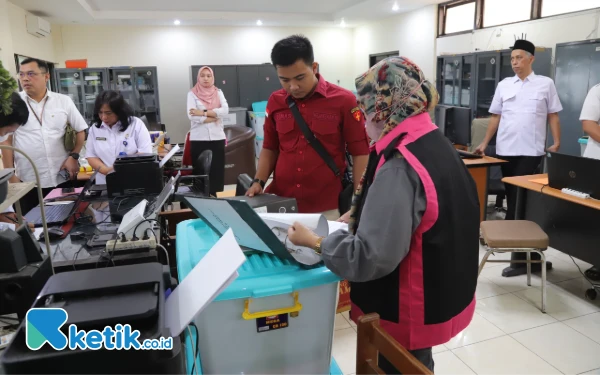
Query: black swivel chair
x,y
198,182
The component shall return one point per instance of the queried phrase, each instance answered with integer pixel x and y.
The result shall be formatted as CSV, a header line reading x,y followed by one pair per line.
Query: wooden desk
x,y
570,222
162,152
480,170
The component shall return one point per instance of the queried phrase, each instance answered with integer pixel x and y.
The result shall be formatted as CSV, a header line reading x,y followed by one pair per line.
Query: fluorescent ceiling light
x,y
395,8
177,22
343,23
259,23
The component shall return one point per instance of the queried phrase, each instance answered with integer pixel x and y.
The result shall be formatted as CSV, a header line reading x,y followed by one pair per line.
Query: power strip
x,y
119,245
576,193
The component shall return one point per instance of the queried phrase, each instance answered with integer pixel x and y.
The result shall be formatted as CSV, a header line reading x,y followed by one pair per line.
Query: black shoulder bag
x,y
345,197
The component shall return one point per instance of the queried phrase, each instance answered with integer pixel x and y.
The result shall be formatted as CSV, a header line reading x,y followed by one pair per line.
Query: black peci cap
x,y
524,45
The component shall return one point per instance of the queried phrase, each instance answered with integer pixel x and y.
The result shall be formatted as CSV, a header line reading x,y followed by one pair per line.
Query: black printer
x,y
135,175
94,299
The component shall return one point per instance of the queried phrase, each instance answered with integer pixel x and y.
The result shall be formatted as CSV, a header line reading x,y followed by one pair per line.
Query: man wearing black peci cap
x,y
522,107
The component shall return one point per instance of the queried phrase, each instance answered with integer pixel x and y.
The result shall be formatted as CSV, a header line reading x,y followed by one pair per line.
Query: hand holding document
x,y
280,223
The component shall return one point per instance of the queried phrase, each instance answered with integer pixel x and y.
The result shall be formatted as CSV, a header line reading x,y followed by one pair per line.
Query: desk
x,y
570,222
69,255
480,170
162,152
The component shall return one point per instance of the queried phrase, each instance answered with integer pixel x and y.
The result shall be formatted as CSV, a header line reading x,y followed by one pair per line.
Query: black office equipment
x,y
5,175
58,214
94,299
468,155
575,173
18,290
455,123
135,175
12,254
244,182
33,251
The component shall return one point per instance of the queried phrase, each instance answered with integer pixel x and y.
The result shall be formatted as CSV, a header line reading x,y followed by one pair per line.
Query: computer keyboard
x,y
576,193
54,214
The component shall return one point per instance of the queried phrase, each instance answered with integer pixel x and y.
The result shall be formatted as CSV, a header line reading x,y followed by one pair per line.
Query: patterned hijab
x,y
394,90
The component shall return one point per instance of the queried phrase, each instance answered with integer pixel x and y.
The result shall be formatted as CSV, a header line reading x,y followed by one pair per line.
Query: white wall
x,y
6,44
412,34
174,49
24,43
543,33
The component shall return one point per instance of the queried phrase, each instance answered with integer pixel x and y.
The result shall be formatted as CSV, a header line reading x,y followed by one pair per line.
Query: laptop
x,y
58,214
575,173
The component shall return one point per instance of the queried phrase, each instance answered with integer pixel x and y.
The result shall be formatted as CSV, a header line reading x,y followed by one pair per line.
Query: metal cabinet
x,y
139,87
470,80
577,71
82,86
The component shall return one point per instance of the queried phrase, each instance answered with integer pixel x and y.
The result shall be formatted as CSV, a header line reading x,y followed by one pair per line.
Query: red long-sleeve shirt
x,y
332,114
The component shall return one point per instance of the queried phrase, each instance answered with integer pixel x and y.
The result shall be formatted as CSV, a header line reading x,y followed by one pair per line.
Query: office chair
x,y
200,182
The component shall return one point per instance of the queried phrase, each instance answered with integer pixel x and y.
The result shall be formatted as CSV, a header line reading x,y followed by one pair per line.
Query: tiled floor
x,y
509,334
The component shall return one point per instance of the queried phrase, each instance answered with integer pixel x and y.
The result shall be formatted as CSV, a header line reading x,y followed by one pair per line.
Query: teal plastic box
x,y
275,318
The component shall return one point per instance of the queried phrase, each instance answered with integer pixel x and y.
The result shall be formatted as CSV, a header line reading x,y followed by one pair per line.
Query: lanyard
x,y
41,114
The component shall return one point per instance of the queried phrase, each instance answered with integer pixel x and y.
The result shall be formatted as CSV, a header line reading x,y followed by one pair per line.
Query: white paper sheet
x,y
216,271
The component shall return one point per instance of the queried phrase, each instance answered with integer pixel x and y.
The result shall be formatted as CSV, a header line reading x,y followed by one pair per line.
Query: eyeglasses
x,y
28,74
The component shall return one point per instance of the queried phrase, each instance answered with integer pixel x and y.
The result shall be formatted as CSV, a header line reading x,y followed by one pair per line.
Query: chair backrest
x,y
373,340
202,164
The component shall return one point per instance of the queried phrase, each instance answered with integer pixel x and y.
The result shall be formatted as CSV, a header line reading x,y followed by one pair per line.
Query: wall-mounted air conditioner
x,y
37,26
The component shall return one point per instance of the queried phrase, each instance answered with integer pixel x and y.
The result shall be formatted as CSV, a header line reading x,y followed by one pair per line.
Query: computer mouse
x,y
53,233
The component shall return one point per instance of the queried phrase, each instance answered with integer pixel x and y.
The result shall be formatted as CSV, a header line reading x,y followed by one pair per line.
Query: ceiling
x,y
225,12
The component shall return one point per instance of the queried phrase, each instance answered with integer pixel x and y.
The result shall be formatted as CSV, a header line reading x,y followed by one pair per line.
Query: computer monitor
x,y
455,123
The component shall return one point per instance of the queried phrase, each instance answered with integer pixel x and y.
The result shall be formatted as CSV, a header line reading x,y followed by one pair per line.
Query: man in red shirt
x,y
331,113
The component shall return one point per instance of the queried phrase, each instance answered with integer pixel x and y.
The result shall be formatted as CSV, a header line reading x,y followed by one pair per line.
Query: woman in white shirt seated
x,y
206,106
115,132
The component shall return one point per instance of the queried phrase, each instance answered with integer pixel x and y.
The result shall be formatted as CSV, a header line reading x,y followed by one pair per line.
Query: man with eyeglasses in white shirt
x,y
42,137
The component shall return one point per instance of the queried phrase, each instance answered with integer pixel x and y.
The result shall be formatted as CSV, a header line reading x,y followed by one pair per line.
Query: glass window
x,y
500,12
460,18
554,7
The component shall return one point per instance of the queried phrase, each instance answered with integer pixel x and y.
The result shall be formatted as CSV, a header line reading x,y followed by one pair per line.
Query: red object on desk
x,y
66,227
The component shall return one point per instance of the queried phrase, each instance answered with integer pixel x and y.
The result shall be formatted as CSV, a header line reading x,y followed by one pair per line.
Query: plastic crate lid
x,y
583,141
259,106
262,275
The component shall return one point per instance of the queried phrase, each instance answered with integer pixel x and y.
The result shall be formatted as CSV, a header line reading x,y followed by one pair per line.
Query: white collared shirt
x,y
45,143
524,107
212,131
107,143
591,112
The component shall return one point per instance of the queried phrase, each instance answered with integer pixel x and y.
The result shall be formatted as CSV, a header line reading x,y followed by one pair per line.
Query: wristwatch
x,y
261,182
318,245
74,155
205,112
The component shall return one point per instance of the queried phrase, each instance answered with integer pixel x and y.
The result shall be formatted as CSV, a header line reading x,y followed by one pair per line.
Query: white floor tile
x,y
439,349
486,288
503,355
511,284
446,363
577,287
341,322
479,330
588,325
566,258
563,347
511,314
560,304
344,349
593,372
346,315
